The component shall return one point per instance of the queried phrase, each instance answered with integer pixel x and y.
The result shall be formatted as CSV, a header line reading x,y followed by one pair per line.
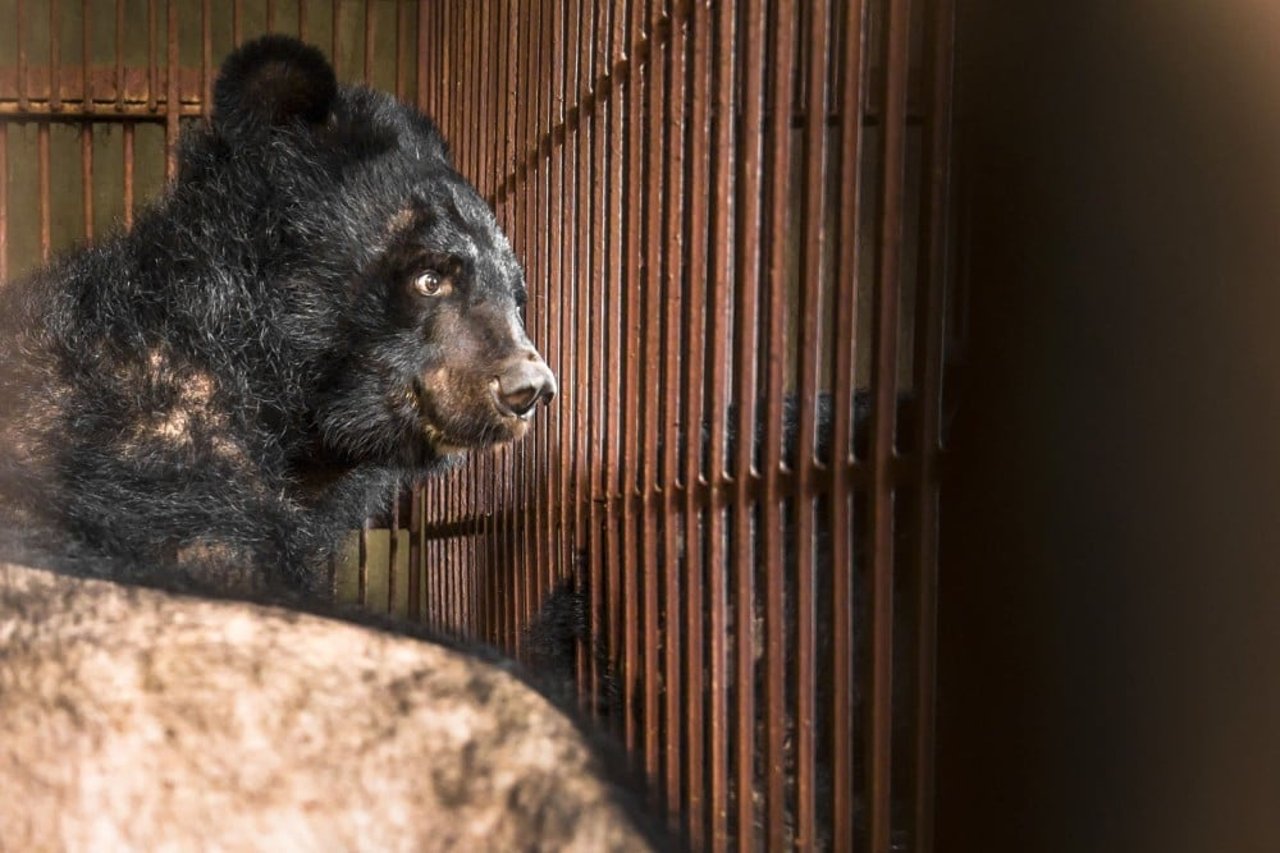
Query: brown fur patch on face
x,y
401,221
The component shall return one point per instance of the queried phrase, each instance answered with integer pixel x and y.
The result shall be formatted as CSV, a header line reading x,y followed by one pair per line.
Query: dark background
x,y
1110,642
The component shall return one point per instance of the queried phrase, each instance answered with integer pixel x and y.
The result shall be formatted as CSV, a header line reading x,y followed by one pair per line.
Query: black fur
x,y
250,371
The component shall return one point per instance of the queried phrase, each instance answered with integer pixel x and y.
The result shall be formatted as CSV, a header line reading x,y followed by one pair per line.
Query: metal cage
x,y
734,220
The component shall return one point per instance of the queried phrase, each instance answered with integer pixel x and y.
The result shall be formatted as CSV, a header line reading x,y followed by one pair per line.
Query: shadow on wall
x,y
1108,637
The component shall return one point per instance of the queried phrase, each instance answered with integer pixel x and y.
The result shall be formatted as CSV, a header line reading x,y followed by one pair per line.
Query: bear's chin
x,y
445,442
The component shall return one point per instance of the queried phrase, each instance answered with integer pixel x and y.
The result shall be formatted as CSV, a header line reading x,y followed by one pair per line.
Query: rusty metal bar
x,y
370,22
537,489
842,447
564,182
20,31
884,363
302,20
399,54
119,41
720,338
414,580
597,474
518,541
335,47
393,551
632,295
699,146
809,307
4,201
612,469
86,178
55,56
746,338
772,546
649,403
928,365
675,347
153,63
127,144
86,132
86,56
362,567
42,144
172,98
584,261
421,66
206,59
271,16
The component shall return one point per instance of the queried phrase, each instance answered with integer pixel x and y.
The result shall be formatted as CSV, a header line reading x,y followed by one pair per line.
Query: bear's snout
x,y
522,383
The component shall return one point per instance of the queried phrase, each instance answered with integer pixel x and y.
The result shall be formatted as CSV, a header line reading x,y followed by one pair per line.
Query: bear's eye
x,y
429,283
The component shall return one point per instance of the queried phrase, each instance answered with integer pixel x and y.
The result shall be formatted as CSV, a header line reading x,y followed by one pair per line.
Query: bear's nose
x,y
524,383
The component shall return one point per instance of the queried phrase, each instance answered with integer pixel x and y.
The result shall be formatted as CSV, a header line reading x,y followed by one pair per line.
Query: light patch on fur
x,y
400,221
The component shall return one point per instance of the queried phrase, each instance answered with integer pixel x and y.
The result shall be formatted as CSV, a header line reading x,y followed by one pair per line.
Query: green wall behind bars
x,y
67,224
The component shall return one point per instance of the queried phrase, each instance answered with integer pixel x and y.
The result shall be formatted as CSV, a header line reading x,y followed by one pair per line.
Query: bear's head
x,y
397,273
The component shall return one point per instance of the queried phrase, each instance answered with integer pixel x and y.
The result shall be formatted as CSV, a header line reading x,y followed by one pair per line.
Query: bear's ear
x,y
271,81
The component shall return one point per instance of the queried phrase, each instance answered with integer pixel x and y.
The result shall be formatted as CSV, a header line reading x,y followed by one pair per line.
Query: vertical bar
x,y
20,28
700,143
335,48
422,55
153,65
632,308
86,56
237,29
86,177
597,330
55,57
86,129
302,20
530,508
42,143
171,102
449,599
4,201
524,211
846,304
718,356
415,555
127,134
674,347
562,217
810,304
393,551
928,361
370,23
399,59
587,390
362,565
119,33
777,169
620,96
750,174
206,59
884,362
651,343
487,103
271,16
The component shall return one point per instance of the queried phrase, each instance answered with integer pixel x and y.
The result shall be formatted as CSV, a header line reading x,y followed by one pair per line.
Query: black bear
x,y
318,309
